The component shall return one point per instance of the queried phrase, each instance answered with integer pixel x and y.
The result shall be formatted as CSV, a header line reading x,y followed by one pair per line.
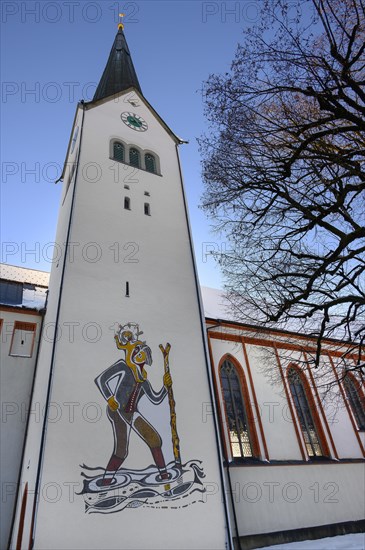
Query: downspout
x,y
44,427
216,397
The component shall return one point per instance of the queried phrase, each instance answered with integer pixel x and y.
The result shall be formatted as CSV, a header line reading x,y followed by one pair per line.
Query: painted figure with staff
x,y
123,384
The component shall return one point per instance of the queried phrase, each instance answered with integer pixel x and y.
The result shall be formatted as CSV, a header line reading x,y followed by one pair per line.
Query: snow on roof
x,y
353,541
24,275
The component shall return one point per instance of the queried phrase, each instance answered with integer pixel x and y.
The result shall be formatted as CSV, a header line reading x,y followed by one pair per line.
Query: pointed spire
x,y
119,73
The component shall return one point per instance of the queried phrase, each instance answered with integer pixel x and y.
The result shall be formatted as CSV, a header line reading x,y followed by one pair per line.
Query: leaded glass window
x,y
238,427
150,163
118,151
355,400
134,157
304,413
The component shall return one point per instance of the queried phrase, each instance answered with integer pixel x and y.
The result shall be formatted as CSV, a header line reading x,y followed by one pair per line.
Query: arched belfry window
x,y
238,415
134,157
118,151
150,163
356,399
302,401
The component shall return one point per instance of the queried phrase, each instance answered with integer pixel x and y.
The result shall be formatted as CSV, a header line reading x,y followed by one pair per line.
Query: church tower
x,y
122,448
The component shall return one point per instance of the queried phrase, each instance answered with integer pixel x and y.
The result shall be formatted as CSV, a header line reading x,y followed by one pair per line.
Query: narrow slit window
x,y
22,342
71,174
74,139
356,400
134,157
150,163
305,416
118,151
127,289
147,209
127,203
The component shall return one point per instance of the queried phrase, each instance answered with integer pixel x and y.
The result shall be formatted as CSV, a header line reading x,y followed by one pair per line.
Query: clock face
x,y
134,121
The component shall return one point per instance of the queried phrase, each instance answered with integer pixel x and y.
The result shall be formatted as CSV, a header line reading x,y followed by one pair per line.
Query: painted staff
x,y
175,438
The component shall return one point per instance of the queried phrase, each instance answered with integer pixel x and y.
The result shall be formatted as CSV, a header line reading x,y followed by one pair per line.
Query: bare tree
x,y
284,170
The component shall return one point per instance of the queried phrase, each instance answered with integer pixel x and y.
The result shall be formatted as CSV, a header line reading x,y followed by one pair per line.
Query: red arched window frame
x,y
309,444
355,397
247,409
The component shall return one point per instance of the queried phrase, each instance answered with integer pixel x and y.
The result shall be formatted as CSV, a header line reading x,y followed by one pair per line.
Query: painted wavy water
x,y
136,488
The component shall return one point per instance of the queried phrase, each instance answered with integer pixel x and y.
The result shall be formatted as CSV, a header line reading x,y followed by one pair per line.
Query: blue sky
x,y
53,54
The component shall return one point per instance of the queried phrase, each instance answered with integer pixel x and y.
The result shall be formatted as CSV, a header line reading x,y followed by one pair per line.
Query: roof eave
x,y
92,103
259,328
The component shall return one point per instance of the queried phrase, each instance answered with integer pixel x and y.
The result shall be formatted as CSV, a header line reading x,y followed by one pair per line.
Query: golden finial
x,y
120,24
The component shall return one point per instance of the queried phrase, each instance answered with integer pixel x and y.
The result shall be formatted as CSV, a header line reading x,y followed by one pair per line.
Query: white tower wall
x,y
109,246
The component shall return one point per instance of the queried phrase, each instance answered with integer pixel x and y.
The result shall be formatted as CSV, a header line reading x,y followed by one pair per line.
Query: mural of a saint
x,y
130,383
123,385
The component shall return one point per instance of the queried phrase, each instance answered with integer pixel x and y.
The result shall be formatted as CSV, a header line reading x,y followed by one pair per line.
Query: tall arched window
x,y
118,151
356,399
239,418
134,157
150,163
302,400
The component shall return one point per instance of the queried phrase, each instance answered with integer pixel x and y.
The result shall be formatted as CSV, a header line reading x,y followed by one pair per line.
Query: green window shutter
x,y
118,151
134,157
150,163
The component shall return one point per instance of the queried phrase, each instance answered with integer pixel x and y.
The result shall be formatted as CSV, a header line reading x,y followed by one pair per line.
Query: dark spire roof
x,y
119,73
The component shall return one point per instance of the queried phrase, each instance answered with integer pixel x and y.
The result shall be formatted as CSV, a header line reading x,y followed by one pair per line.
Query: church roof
x,y
119,73
24,275
23,288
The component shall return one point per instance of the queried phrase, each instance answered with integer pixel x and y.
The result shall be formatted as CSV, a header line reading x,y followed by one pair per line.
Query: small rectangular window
x,y
147,194
127,203
147,209
22,342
